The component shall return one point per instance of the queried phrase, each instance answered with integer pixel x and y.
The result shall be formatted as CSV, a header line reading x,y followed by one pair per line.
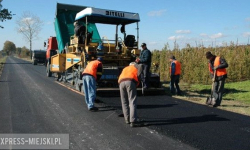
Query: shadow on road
x,y
106,108
154,106
17,63
195,119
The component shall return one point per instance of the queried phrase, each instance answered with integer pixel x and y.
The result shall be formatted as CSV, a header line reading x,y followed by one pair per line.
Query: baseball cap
x,y
208,54
100,59
143,44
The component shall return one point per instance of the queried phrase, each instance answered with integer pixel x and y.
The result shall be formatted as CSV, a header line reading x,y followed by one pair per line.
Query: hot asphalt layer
x,y
32,103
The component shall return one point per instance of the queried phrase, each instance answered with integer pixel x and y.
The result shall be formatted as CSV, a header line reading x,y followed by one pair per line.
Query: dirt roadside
x,y
228,105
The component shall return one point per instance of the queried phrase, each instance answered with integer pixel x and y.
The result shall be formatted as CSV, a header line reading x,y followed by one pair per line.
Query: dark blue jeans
x,y
146,75
175,79
89,88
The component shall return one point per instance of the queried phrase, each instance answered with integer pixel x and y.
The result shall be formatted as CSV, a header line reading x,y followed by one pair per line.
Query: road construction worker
x,y
218,66
145,59
80,32
91,74
128,80
175,72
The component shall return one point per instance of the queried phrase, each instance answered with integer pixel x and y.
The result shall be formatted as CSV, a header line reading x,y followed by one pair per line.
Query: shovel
x,y
142,89
209,99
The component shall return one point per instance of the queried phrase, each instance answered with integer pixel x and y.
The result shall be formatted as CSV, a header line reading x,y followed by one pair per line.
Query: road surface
x,y
30,102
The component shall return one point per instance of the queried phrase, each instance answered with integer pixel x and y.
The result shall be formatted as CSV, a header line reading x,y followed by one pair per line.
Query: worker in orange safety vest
x,y
91,74
217,66
175,72
128,81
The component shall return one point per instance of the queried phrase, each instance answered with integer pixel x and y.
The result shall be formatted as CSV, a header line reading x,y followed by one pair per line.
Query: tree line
x,y
10,48
195,65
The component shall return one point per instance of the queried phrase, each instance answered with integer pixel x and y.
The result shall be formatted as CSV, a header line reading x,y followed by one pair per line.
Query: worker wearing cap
x,y
128,80
91,74
218,66
80,32
175,72
145,59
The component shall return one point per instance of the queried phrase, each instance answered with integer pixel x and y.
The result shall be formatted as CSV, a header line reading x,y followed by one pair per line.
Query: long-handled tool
x,y
142,89
209,100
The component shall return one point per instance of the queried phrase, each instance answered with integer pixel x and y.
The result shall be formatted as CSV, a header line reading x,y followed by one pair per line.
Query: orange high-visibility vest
x,y
130,73
92,68
177,68
219,72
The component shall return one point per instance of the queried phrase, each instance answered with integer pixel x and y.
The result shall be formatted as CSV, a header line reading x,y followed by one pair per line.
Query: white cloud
x,y
246,34
203,35
28,20
215,36
175,37
248,19
182,31
156,13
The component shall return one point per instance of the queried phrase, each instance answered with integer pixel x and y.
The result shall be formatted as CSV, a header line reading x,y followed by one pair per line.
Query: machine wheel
x,y
48,72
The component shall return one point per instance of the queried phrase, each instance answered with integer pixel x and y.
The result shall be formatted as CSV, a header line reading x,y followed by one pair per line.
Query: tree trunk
x,y
30,49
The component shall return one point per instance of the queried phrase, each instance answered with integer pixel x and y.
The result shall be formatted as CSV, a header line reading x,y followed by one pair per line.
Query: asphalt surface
x,y
30,102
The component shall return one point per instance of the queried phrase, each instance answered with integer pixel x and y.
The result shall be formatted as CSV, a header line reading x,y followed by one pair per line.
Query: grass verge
x,y
2,61
236,97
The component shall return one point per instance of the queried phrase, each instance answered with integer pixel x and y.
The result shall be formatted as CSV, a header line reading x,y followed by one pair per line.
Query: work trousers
x,y
89,88
175,79
146,75
128,95
218,89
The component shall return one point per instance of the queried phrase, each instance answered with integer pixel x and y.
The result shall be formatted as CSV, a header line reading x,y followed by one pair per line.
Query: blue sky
x,y
211,22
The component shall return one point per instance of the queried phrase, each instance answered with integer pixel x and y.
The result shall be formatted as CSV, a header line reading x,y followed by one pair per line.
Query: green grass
x,y
238,91
2,61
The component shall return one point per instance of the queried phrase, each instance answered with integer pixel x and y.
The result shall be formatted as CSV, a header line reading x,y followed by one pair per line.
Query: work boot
x,y
93,109
208,101
136,124
213,101
127,121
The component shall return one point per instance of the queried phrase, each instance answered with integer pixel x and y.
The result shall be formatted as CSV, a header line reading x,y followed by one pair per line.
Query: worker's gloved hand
x,y
215,68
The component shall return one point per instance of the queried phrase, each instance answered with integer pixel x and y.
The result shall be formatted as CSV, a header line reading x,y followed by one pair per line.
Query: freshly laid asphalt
x,y
30,102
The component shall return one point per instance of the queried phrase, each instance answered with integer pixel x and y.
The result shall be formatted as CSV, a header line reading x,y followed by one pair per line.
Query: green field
x,y
236,96
235,91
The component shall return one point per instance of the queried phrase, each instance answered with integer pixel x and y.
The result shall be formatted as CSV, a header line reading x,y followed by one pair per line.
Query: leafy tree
x,y
9,47
18,50
29,25
5,14
24,52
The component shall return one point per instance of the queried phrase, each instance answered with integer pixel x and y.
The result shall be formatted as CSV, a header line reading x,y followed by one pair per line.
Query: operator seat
x,y
129,40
